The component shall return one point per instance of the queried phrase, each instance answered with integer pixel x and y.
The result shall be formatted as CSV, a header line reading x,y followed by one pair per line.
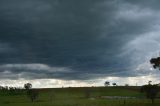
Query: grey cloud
x,y
15,71
4,48
91,38
154,4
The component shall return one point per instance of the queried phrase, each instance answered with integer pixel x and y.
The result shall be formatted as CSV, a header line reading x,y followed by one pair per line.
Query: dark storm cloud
x,y
86,37
154,4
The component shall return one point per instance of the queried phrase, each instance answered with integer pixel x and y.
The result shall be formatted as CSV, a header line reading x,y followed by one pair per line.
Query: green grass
x,y
77,97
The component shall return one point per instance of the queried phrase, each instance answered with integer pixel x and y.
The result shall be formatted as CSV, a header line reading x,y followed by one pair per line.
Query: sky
x,y
55,43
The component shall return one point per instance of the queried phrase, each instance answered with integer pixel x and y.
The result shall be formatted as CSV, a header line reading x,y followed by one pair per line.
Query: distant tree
x,y
28,86
151,91
107,83
149,82
126,84
114,84
31,93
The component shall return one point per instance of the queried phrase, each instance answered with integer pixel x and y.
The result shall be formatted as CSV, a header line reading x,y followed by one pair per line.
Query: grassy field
x,y
92,96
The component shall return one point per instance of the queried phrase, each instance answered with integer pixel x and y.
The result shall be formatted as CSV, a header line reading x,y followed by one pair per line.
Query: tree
x,y
149,82
155,62
126,85
107,83
114,84
28,86
31,93
151,91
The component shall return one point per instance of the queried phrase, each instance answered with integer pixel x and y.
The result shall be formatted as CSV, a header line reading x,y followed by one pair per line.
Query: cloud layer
x,y
78,40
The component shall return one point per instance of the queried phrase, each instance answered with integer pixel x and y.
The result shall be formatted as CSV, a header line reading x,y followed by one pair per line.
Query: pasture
x,y
81,96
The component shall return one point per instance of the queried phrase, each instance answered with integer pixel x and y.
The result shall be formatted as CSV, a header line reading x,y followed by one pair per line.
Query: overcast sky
x,y
78,41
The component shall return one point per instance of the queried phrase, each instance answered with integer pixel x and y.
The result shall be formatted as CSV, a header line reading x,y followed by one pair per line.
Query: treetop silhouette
x,y
155,62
